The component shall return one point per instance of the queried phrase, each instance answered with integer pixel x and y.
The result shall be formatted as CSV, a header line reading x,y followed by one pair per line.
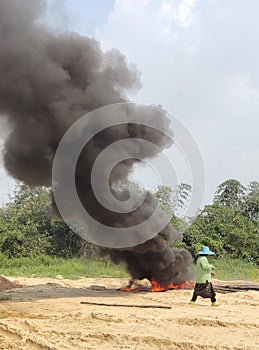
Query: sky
x,y
199,60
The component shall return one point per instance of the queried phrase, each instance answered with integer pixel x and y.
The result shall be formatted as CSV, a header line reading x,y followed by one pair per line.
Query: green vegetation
x,y
230,226
35,242
73,268
235,269
29,227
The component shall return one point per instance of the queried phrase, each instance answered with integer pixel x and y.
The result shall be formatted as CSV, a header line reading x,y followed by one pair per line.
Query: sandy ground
x,y
47,314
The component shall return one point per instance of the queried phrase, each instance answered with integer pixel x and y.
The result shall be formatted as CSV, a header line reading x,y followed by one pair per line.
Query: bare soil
x,y
42,313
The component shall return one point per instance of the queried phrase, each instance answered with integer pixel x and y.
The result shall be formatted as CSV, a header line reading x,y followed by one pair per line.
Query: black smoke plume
x,y
47,82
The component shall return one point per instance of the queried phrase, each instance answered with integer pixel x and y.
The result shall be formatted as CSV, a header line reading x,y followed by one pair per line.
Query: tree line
x,y
230,225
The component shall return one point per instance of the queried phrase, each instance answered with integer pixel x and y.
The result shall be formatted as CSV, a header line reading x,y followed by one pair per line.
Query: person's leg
x,y
213,299
194,297
213,296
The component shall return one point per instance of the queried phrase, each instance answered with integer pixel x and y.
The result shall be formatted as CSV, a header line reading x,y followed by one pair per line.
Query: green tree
x,y
230,194
29,227
226,231
172,199
251,201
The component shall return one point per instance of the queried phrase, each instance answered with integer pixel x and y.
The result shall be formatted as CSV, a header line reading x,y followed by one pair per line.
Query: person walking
x,y
203,286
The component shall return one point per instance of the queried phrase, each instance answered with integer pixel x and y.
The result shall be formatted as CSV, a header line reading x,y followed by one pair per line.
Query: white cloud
x,y
180,11
199,59
185,12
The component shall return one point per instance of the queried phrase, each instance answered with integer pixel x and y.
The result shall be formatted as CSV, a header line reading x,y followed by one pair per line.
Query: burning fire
x,y
156,287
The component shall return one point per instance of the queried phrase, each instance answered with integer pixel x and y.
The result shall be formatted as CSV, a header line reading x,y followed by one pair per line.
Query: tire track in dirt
x,y
104,341
26,335
200,322
13,338
56,320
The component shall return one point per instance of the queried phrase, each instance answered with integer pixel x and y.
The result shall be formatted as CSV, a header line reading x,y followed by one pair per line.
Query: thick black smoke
x,y
47,82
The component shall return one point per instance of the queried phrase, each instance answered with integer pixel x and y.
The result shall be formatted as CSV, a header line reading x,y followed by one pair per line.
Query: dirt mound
x,y
6,284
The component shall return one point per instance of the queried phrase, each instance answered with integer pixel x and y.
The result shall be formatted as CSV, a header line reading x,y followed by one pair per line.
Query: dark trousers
x,y
194,298
205,290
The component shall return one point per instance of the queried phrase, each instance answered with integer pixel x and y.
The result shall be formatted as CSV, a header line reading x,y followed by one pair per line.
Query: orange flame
x,y
156,287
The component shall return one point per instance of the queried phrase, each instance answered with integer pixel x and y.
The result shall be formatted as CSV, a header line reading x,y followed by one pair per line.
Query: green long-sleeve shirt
x,y
203,270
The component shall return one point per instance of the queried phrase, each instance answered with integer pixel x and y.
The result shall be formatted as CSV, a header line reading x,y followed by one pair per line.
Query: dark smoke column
x,y
47,84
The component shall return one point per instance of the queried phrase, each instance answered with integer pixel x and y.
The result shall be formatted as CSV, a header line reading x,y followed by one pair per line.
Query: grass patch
x,y
46,266
235,269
